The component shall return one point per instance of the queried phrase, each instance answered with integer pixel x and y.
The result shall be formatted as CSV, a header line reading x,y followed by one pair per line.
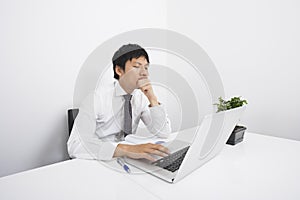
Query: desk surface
x,y
261,167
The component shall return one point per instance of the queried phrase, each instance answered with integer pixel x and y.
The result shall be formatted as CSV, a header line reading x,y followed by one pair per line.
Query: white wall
x,y
43,44
255,46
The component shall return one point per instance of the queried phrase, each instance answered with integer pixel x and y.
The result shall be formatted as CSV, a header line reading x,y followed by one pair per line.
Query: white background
x,y
254,45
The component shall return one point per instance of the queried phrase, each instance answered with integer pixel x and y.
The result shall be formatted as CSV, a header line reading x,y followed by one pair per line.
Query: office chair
x,y
72,114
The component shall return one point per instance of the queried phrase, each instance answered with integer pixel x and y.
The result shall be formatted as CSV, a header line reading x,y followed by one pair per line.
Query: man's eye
x,y
136,66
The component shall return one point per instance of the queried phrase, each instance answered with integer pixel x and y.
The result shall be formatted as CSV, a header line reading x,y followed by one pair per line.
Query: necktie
x,y
127,115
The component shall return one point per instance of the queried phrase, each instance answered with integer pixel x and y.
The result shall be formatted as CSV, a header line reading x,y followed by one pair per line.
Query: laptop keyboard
x,y
173,161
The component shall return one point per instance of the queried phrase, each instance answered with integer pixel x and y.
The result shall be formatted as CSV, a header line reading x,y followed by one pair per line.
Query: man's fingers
x,y
147,156
143,82
159,153
160,148
146,150
145,86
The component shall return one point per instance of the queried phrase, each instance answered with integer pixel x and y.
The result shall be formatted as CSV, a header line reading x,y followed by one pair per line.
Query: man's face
x,y
135,74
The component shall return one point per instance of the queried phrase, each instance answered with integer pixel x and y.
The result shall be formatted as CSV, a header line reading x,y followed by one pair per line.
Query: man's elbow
x,y
75,150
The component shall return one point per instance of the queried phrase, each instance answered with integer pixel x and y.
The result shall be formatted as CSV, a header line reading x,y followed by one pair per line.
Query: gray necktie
x,y
127,115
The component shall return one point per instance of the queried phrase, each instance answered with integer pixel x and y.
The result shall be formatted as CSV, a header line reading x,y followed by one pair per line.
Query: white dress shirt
x,y
101,118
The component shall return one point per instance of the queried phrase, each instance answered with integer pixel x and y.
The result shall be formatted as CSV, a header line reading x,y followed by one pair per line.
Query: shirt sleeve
x,y
83,142
156,120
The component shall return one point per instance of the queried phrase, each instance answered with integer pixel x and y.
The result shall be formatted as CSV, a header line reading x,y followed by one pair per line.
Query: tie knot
x,y
127,97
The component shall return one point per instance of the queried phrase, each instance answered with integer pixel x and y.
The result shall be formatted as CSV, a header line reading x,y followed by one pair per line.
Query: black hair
x,y
125,53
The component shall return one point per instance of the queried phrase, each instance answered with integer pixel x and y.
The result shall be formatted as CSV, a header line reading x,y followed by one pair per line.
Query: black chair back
x,y
72,114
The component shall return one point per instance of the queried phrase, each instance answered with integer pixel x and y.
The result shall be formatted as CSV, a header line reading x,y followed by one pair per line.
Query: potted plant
x,y
237,134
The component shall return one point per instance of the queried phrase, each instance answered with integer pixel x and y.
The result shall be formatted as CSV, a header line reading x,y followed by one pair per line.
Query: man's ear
x,y
119,70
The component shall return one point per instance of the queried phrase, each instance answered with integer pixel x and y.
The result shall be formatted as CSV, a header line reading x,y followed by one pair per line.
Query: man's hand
x,y
141,151
146,87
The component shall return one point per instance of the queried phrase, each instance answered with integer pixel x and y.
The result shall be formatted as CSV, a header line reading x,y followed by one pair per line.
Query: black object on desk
x,y
237,135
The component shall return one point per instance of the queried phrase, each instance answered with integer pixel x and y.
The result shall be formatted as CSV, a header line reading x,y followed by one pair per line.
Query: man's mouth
x,y
141,78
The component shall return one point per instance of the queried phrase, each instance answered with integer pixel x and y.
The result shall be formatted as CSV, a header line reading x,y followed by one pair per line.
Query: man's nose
x,y
143,71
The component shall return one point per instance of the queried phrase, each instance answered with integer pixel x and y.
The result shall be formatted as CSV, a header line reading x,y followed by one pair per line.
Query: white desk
x,y
260,167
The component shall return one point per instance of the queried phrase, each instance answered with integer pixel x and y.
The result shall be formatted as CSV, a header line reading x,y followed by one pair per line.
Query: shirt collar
x,y
119,91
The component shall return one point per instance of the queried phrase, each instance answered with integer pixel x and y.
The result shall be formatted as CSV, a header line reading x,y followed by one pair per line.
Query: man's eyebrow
x,y
141,63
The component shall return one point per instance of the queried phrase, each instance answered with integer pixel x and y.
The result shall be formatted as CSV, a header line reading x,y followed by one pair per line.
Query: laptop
x,y
208,140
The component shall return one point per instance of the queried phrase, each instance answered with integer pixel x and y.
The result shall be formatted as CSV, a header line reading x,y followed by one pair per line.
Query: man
x,y
99,129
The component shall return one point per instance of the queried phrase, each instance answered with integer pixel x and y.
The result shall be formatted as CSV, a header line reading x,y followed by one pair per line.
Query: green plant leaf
x,y
234,102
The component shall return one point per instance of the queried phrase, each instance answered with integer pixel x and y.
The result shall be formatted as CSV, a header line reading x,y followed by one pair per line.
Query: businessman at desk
x,y
117,110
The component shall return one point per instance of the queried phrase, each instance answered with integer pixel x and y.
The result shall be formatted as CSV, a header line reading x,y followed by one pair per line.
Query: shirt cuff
x,y
107,150
158,111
